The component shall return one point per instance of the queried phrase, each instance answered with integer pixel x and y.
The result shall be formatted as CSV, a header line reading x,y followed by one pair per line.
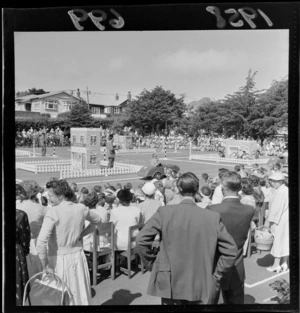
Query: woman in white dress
x,y
124,216
61,231
278,221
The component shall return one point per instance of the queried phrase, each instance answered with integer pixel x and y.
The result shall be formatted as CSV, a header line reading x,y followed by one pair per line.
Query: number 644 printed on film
x,y
248,17
114,22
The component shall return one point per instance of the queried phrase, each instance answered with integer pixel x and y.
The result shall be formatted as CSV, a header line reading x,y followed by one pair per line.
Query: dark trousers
x,y
165,301
111,162
234,294
44,150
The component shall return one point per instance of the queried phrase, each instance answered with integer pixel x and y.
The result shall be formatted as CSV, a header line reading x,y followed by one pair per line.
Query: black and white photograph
x,y
154,164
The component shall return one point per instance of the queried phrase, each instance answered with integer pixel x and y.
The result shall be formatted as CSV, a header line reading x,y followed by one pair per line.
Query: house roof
x,y
44,95
105,100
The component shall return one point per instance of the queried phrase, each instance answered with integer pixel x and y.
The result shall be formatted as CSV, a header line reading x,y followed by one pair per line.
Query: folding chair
x,y
106,229
131,253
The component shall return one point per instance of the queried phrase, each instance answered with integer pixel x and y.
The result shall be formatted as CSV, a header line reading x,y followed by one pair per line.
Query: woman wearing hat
x,y
278,222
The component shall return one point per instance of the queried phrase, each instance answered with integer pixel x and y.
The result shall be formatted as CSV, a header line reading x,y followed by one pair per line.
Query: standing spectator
x,y
278,221
205,193
43,143
36,213
218,194
61,233
111,153
237,219
150,205
22,246
177,198
184,271
238,168
82,194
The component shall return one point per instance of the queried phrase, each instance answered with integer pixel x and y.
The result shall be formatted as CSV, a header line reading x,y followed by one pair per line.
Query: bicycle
x,y
240,154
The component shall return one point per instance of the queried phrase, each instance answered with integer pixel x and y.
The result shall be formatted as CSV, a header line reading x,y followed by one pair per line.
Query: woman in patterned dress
x,y
22,248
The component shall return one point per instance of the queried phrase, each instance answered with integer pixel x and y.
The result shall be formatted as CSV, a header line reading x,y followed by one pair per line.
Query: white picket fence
x,y
20,153
218,159
118,169
65,161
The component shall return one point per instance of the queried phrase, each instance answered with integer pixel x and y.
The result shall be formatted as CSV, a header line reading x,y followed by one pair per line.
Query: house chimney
x,y
78,93
129,96
117,97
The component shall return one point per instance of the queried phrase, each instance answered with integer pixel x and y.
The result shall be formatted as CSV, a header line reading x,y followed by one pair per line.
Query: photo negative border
x,y
149,17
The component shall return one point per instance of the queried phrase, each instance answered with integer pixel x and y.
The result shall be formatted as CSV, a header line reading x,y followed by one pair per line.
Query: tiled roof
x,y
45,95
105,100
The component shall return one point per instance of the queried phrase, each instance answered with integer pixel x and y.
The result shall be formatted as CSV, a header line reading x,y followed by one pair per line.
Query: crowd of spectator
x,y
201,142
62,217
32,137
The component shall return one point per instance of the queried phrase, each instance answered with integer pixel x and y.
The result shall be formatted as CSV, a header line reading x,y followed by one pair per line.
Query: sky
x,y
197,63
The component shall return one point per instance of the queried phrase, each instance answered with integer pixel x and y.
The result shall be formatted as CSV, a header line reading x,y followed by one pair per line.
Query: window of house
x,y
93,140
37,105
116,110
51,105
96,110
74,139
92,158
107,110
81,139
67,107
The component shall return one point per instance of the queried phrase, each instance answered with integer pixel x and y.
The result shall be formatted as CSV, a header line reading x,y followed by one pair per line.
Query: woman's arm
x,y
43,238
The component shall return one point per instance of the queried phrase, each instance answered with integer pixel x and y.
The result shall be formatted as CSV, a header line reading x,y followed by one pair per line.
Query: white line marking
x,y
265,280
212,163
103,181
108,180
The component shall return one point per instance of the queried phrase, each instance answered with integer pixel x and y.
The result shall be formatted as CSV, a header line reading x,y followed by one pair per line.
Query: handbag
x,y
50,290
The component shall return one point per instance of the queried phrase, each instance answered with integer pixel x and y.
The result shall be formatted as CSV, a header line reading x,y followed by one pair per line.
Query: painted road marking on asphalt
x,y
197,162
108,180
265,280
102,181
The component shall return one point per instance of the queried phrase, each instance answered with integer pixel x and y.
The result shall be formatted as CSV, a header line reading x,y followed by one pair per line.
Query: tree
x,y
247,112
155,110
80,116
31,91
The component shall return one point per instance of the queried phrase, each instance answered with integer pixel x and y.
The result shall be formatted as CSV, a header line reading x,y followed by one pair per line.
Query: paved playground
x,y
124,291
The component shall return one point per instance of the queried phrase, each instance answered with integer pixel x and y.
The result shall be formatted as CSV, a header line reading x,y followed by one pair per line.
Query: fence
x,y
20,153
118,169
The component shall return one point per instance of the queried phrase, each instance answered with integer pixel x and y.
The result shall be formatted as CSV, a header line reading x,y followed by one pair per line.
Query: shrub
x,y
283,290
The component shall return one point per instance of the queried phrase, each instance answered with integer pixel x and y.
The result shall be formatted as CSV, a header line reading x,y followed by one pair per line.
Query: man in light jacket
x,y
186,269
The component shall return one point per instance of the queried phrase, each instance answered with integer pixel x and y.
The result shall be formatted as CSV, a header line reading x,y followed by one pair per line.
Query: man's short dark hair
x,y
231,180
237,168
188,184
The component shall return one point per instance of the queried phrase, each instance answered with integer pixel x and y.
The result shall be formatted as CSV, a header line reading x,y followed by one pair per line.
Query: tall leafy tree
x,y
80,116
156,110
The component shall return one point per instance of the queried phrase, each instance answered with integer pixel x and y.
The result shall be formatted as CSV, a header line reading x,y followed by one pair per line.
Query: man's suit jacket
x,y
237,218
185,267
111,153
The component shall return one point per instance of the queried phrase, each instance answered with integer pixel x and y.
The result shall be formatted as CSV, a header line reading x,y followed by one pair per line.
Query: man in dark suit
x,y
237,218
185,270
111,153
